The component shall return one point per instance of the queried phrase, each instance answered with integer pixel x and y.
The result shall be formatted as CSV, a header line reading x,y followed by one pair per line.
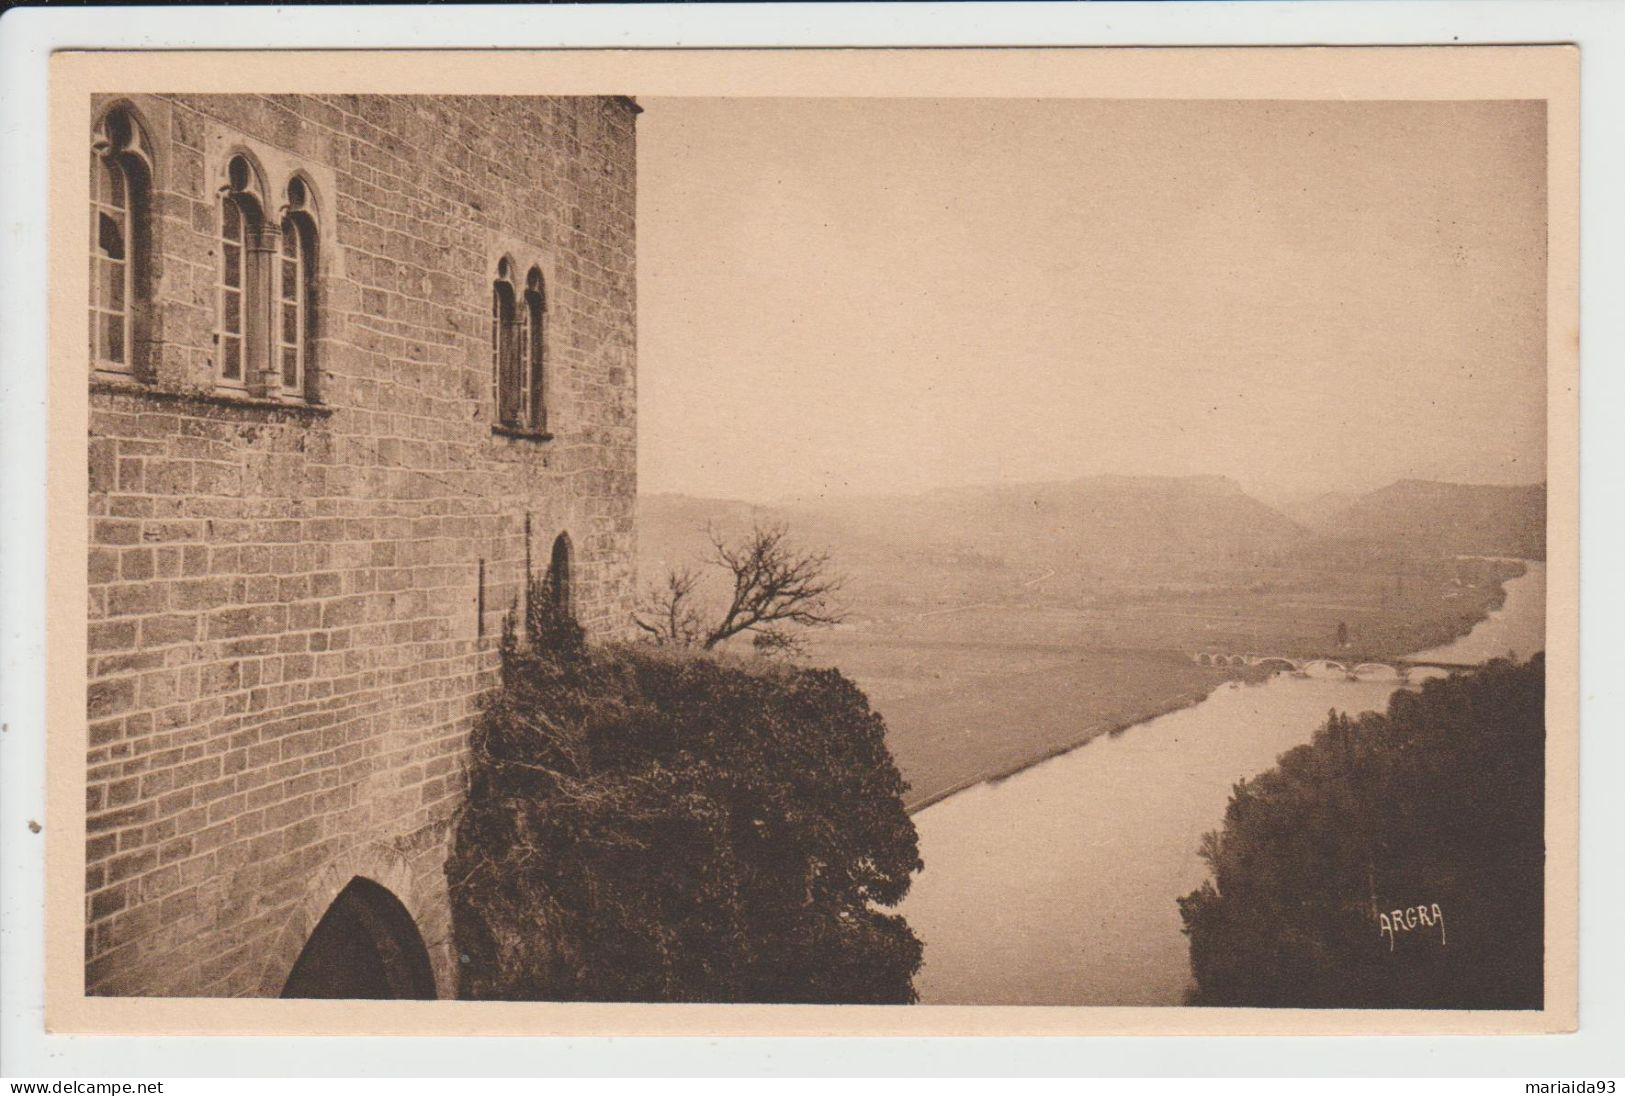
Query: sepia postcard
x,y
891,541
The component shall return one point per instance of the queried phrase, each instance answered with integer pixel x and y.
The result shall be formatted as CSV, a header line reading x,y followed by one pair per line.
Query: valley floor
x,y
959,714
979,690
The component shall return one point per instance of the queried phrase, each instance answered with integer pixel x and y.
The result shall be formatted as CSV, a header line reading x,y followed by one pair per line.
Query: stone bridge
x,y
1400,669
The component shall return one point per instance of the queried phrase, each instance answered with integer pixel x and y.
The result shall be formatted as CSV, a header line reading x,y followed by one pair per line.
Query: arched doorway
x,y
365,947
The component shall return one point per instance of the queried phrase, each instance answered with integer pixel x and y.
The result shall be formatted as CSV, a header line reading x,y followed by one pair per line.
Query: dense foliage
x,y
645,824
1427,820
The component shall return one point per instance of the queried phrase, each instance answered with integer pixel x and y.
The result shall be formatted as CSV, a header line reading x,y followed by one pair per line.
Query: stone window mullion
x,y
513,395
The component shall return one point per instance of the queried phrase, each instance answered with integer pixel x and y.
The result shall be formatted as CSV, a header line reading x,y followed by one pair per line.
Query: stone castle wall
x,y
286,643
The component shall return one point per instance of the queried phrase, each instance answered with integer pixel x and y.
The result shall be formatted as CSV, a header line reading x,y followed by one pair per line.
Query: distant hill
x,y
1102,521
1433,518
1313,511
997,536
1102,530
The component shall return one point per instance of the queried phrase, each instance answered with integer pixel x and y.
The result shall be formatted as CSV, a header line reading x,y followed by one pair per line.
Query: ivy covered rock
x,y
646,824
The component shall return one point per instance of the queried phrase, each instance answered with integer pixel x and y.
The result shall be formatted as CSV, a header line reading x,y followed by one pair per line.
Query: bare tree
x,y
773,587
670,615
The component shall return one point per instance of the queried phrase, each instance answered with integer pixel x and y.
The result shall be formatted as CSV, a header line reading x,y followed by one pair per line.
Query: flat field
x,y
984,688
958,714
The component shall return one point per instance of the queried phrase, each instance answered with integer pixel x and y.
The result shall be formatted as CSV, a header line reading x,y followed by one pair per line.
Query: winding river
x,y
1059,885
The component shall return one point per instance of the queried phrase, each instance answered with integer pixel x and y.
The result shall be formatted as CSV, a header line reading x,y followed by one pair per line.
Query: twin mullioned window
x,y
265,274
519,349
265,283
266,288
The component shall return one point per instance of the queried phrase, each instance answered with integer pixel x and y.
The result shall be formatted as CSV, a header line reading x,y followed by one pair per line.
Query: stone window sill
x,y
501,430
129,386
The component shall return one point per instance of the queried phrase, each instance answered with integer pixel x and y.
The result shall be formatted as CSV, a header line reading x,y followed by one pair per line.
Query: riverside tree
x,y
1397,861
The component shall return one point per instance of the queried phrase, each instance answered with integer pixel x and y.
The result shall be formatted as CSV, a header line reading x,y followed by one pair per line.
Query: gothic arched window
x,y
120,244
243,279
505,364
296,292
533,369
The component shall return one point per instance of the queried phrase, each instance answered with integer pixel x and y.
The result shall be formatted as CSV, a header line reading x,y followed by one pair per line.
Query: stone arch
x,y
250,180
383,868
1376,669
306,197
365,947
143,131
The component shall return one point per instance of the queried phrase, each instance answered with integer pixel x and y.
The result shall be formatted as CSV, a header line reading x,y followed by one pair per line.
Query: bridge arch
x,y
356,934
1273,663
1325,664
1376,669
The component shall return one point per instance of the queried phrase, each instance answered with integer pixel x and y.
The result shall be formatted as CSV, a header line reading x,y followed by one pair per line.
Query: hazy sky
x,y
856,296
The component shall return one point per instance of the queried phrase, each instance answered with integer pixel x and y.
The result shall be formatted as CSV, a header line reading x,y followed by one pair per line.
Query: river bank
x,y
982,694
1060,884
916,801
990,711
